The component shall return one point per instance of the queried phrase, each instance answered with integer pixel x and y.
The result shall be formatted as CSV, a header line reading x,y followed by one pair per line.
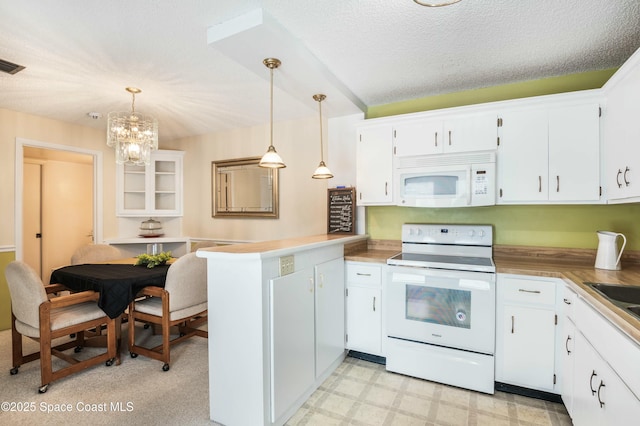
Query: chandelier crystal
x,y
271,159
133,135
322,172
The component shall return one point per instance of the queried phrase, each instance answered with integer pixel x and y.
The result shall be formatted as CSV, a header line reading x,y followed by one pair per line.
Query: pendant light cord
x,y
271,109
321,148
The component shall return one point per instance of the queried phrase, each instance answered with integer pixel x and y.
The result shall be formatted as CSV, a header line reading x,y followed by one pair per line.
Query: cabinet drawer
x,y
529,291
370,275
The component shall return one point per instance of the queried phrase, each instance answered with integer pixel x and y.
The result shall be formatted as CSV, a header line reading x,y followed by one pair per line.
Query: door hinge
x,y
601,191
38,235
498,140
394,133
394,150
360,137
599,111
556,319
346,338
346,292
499,122
554,379
500,192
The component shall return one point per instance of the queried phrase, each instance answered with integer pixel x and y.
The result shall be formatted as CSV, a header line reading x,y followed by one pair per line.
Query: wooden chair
x,y
93,253
36,316
182,303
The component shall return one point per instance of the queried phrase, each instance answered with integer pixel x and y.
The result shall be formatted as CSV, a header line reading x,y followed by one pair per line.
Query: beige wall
x,y
302,199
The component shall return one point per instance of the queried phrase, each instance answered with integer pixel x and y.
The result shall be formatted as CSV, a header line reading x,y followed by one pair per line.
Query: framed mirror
x,y
240,188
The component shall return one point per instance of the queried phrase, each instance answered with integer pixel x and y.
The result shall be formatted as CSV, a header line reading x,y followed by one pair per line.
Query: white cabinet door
x,y
523,156
364,319
292,339
568,361
621,133
329,320
422,137
154,190
477,132
529,346
374,165
574,153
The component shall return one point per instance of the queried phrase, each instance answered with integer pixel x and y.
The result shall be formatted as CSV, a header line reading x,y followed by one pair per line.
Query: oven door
x,y
454,309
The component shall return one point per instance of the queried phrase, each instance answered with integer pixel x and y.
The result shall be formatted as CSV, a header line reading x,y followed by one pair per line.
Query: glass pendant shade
x,y
271,159
322,172
133,135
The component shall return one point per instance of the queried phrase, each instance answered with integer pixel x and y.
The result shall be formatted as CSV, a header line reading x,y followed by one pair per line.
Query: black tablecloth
x,y
117,284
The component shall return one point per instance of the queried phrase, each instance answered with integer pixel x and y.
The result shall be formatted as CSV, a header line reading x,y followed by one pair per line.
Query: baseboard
x,y
532,393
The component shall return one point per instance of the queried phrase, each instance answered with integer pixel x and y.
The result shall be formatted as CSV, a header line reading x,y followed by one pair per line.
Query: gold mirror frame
x,y
240,188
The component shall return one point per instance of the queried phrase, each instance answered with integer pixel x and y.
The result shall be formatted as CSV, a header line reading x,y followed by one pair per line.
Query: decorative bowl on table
x,y
151,228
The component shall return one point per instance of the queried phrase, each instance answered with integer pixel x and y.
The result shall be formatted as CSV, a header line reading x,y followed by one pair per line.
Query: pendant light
x,y
271,159
322,172
133,135
439,3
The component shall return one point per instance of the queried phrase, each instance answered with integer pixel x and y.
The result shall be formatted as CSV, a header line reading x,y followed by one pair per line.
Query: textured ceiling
x,y
81,54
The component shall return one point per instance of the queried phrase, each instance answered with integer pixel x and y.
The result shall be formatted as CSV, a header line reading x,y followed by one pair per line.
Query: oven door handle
x,y
470,189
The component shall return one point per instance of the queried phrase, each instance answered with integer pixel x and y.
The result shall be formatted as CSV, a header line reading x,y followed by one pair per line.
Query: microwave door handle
x,y
469,175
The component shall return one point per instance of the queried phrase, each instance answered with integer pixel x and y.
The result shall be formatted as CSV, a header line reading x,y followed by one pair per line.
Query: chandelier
x,y
271,159
439,3
133,135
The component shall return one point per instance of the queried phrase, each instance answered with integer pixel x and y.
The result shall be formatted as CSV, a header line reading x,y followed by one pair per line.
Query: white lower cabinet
x,y
307,330
568,349
526,337
364,307
605,372
292,339
600,396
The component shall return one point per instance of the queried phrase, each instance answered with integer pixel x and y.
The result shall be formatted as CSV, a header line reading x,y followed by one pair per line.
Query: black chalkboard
x,y
341,214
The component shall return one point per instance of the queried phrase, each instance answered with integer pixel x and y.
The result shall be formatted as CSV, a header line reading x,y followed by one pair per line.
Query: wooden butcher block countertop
x,y
574,266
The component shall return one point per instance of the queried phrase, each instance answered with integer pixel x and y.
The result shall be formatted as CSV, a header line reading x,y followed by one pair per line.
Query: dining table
x,y
117,282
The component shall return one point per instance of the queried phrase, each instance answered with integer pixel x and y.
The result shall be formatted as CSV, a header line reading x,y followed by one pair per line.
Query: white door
x,y
523,154
292,339
568,361
418,138
374,166
467,133
364,319
574,153
329,319
529,346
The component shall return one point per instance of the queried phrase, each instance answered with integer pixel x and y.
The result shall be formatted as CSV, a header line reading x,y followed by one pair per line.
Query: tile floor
x,y
364,393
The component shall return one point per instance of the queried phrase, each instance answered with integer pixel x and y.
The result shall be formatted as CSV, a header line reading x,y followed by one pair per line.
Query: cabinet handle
x,y
523,290
449,137
618,178
593,374
435,139
310,284
374,303
624,176
566,345
512,323
567,301
362,275
539,183
557,183
600,387
321,280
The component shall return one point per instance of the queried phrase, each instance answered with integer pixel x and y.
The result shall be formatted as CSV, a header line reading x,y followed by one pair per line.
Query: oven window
x,y
431,186
438,306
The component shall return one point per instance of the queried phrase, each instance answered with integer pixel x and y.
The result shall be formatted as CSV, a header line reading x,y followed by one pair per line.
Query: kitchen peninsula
x,y
276,324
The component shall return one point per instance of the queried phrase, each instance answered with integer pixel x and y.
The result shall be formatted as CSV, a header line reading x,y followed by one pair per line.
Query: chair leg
x,y
16,346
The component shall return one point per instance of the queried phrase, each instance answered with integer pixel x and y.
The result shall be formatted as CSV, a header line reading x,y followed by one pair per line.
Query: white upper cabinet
x,y
550,154
374,165
154,190
621,133
456,133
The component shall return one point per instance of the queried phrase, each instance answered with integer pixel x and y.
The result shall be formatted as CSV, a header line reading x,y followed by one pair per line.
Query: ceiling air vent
x,y
10,67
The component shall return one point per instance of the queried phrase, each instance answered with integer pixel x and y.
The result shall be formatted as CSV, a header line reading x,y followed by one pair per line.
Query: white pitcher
x,y
607,256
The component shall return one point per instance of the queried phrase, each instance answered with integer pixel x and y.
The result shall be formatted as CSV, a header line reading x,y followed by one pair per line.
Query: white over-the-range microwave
x,y
446,180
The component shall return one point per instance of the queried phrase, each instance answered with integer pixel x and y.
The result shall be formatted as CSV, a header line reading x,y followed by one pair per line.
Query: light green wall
x,y
571,226
5,299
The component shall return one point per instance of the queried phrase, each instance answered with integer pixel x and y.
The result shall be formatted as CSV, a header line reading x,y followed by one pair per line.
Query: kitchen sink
x,y
618,293
624,296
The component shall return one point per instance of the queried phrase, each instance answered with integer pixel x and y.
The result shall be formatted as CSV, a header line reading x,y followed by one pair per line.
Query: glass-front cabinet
x,y
153,190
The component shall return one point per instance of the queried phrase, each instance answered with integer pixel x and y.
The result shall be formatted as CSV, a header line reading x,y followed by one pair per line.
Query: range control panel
x,y
468,235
